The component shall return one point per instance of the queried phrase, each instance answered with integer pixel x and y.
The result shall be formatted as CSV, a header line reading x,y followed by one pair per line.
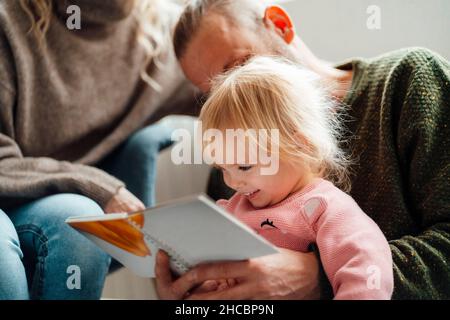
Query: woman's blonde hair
x,y
272,93
152,16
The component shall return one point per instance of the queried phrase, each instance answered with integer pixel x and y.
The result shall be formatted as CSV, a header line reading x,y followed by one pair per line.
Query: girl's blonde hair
x,y
272,93
153,18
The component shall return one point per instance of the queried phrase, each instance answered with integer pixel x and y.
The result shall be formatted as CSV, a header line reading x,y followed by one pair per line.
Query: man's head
x,y
213,36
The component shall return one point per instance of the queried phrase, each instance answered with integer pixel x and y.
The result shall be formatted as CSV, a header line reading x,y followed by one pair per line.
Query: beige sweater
x,y
65,107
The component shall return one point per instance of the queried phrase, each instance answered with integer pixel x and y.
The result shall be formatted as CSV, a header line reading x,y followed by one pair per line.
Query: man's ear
x,y
282,22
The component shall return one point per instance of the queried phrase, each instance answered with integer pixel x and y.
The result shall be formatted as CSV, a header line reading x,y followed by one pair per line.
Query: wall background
x,y
336,29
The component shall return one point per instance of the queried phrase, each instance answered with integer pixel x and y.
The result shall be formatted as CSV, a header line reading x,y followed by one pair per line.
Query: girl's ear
x,y
282,22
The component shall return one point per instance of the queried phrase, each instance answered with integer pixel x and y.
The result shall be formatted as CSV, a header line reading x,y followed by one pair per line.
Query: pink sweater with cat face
x,y
354,252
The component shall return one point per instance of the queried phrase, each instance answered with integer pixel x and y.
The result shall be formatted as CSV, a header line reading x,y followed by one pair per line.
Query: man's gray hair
x,y
245,12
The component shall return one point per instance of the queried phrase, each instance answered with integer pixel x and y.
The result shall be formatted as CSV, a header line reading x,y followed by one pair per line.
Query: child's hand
x,y
225,284
214,285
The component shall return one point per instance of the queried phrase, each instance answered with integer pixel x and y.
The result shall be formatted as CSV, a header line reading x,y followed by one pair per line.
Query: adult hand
x,y
123,201
286,275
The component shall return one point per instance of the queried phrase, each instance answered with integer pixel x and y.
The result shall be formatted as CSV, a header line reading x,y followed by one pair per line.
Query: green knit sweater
x,y
399,128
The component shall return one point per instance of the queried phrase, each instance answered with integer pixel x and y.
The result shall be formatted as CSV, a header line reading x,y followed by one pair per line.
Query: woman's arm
x,y
23,178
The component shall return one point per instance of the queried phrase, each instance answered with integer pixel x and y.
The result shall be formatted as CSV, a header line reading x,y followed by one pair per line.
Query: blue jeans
x,y
43,258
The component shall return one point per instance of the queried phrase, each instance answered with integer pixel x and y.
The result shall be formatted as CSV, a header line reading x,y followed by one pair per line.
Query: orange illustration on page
x,y
120,233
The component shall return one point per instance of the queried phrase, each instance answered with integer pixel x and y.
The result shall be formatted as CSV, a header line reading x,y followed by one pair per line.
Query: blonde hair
x,y
152,16
273,93
39,12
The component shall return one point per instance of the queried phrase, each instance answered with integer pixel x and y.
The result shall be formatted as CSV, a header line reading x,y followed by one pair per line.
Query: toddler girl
x,y
299,204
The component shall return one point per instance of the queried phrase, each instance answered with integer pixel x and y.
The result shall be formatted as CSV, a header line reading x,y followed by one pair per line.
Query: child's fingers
x,y
226,283
218,270
222,285
207,286
231,282
244,291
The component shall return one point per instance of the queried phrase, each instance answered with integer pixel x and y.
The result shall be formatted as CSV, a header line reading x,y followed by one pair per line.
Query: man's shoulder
x,y
399,72
419,71
415,82
407,60
409,53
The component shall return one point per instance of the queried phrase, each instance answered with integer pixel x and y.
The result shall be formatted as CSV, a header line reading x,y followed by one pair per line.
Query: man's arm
x,y
421,262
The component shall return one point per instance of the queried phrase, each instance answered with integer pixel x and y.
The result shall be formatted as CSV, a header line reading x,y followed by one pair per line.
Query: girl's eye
x,y
245,168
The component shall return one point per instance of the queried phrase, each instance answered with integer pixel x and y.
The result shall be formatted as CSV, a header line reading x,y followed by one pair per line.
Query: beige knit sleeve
x,y
23,178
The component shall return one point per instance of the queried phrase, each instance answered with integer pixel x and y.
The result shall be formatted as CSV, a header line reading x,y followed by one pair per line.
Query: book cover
x,y
191,230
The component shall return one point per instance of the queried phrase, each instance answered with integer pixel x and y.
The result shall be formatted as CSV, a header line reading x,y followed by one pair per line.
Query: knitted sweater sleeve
x,y
354,253
421,261
25,178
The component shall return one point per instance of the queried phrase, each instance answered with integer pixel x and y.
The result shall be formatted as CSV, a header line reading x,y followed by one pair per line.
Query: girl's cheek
x,y
268,181
258,181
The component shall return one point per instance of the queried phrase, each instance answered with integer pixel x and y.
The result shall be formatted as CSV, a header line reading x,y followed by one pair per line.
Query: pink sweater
x,y
354,252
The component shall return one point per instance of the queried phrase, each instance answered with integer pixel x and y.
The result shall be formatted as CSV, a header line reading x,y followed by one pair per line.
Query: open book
x,y
191,230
